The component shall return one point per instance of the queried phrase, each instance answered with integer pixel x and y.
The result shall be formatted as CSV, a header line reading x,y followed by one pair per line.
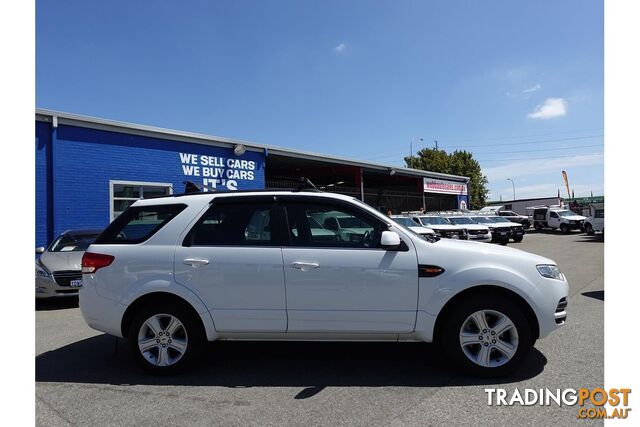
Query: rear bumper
x,y
100,313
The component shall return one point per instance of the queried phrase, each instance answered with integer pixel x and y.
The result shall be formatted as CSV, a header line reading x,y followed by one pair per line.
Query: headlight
x,y
41,270
550,271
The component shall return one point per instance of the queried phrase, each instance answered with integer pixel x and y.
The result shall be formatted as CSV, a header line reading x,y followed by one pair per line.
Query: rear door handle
x,y
195,262
305,266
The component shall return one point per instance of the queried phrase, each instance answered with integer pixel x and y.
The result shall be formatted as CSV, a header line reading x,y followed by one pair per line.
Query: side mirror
x,y
390,240
40,250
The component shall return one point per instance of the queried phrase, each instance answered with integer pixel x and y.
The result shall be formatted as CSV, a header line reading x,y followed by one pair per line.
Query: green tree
x,y
456,163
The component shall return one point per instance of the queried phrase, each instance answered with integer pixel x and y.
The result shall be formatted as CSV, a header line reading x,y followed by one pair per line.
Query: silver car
x,y
58,269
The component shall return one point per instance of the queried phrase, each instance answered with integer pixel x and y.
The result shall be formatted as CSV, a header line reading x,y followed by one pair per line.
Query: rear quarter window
x,y
139,223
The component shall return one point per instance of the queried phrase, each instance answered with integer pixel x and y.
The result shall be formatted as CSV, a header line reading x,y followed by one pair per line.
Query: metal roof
x,y
60,117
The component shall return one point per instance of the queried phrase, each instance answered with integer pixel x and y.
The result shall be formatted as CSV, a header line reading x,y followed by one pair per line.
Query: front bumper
x,y
551,305
480,237
46,287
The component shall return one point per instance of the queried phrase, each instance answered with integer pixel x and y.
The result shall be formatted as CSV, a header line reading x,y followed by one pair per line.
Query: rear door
x,y
341,280
232,259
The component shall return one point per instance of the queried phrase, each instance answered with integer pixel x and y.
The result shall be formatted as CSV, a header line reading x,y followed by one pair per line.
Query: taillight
x,y
92,262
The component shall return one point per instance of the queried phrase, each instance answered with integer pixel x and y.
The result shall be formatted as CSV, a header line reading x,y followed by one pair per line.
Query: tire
x,y
518,239
460,324
526,225
589,229
564,229
537,226
178,334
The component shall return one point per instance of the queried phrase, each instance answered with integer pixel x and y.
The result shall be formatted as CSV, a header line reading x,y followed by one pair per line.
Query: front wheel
x,y
564,229
589,229
486,336
166,339
518,239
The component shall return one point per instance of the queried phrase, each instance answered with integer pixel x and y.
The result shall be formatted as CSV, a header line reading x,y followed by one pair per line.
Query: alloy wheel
x,y
489,338
162,340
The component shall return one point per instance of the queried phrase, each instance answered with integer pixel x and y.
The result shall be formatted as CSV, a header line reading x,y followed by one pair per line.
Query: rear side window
x,y
235,224
137,224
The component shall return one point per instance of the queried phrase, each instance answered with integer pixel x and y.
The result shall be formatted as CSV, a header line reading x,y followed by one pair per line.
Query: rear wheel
x,y
486,336
518,239
537,226
166,339
526,225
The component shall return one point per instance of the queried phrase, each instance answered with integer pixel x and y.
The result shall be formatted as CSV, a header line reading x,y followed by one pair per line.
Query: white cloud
x,y
552,107
537,167
533,88
340,48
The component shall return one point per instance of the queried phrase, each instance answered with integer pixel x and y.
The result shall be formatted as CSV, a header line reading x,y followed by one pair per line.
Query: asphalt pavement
x,y
86,377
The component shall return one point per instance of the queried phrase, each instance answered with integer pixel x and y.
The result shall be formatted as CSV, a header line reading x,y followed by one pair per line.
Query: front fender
x,y
436,292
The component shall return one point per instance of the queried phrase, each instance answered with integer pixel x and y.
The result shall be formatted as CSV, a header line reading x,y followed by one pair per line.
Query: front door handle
x,y
305,266
195,262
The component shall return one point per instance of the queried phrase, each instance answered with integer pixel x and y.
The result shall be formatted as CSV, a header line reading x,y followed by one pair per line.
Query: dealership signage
x,y
218,172
443,186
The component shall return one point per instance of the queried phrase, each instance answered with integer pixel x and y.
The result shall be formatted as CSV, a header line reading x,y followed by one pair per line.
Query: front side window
x,y
235,224
125,193
553,215
137,224
318,225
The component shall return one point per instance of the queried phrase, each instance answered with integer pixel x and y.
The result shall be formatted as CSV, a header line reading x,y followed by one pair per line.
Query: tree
x,y
456,163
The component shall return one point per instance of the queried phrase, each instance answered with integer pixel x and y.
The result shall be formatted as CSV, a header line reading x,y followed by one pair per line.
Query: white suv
x,y
171,273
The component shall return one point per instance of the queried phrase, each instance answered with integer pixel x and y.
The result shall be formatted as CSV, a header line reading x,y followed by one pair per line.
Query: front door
x,y
338,279
232,260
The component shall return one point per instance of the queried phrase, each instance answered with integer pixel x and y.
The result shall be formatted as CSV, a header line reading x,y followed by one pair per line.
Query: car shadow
x,y
47,304
311,365
596,238
594,294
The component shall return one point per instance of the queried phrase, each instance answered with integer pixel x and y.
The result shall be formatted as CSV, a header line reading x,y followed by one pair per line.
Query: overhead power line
x,y
539,141
398,153
540,149
537,158
492,138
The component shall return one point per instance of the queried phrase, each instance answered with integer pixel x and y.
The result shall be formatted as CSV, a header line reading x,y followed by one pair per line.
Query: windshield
x,y
407,222
462,220
565,213
484,219
434,220
499,219
73,243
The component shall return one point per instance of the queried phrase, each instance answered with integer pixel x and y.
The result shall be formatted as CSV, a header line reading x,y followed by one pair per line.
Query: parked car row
x,y
464,225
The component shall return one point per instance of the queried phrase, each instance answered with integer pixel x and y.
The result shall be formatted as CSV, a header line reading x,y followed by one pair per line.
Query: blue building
x,y
89,170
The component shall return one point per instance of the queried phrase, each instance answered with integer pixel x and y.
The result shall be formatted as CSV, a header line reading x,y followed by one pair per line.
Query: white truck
x,y
555,217
595,222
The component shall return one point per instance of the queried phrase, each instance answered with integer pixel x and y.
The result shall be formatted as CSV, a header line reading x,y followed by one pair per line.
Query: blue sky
x,y
518,83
